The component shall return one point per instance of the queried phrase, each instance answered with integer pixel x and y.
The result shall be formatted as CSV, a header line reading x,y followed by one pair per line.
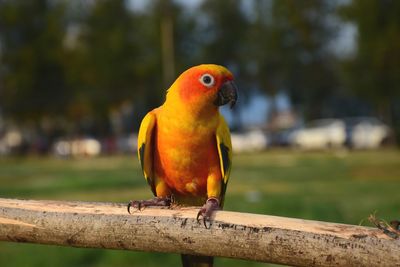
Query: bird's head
x,y
205,86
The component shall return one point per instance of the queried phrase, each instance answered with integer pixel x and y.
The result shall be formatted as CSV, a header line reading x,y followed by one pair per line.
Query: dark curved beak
x,y
227,93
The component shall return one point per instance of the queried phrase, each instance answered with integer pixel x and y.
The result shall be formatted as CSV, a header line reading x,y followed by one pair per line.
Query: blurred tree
x,y
222,32
124,54
31,56
83,59
221,37
298,58
275,45
167,41
185,34
175,33
101,69
264,67
374,70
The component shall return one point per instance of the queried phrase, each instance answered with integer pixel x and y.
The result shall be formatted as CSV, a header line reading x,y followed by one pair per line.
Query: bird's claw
x,y
134,203
211,205
157,201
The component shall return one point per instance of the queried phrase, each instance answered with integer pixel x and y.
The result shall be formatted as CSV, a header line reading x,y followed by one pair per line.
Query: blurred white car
x,y
319,134
366,132
255,140
10,140
77,147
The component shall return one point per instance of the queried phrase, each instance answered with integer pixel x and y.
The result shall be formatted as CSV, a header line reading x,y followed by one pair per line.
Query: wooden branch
x,y
232,234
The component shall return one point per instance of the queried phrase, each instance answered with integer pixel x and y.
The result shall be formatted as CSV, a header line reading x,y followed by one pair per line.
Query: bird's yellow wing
x,y
146,148
225,154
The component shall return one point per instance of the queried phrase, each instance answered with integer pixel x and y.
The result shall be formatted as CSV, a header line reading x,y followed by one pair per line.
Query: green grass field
x,y
340,186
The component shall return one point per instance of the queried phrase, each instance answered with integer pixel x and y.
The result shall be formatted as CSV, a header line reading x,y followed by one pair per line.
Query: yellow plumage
x,y
184,146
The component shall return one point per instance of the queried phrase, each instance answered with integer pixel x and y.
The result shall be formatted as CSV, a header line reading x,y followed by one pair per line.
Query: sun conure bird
x,y
184,146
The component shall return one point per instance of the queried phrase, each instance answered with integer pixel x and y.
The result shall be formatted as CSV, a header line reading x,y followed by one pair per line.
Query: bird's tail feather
x,y
196,261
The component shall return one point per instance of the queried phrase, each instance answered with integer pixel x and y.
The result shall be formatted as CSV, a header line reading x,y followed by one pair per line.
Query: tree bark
x,y
235,235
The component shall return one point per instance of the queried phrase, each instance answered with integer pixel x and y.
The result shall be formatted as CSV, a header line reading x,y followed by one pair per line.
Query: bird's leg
x,y
211,205
157,201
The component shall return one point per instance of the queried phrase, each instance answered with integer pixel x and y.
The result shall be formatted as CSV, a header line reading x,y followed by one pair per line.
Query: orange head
x,y
205,86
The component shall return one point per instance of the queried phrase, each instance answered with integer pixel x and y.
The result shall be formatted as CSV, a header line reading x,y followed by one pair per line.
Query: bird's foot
x,y
157,201
211,205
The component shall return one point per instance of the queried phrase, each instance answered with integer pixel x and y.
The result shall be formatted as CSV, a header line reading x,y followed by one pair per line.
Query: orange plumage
x,y
184,145
185,160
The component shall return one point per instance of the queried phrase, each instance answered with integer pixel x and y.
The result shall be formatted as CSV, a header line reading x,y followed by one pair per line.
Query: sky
x,y
256,111
141,4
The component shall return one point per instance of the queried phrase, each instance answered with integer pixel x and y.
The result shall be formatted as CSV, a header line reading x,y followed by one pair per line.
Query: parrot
x,y
184,146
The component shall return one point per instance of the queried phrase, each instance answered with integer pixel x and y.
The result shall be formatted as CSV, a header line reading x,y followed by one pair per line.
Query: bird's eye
x,y
207,80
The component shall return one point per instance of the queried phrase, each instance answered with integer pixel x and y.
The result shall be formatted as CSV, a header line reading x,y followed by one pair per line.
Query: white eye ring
x,y
207,80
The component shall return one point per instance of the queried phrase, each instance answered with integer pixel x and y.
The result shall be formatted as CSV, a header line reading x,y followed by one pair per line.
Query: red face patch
x,y
202,82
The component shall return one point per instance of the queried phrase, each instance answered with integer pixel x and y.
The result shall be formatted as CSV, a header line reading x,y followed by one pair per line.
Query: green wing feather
x,y
225,154
146,147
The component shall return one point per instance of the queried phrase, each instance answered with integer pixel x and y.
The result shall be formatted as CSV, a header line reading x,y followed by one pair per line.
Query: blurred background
x,y
315,132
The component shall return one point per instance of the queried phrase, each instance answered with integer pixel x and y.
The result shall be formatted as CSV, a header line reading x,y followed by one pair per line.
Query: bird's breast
x,y
184,155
